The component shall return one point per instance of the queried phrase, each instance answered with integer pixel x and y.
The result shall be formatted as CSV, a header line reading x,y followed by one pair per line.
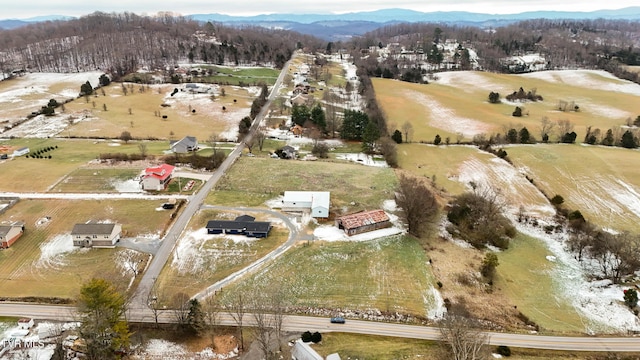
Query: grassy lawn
x,y
200,260
353,346
601,182
240,75
252,181
460,105
525,277
95,180
387,274
33,266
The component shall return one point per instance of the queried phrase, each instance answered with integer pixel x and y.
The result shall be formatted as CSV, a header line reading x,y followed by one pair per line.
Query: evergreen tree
x,y
524,136
318,117
86,89
512,136
608,138
397,136
195,317
437,140
353,125
628,140
300,114
370,136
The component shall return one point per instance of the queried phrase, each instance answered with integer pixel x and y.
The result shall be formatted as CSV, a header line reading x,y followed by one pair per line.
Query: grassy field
x,y
252,181
39,265
388,274
241,75
601,182
530,285
70,155
187,114
457,103
200,260
94,180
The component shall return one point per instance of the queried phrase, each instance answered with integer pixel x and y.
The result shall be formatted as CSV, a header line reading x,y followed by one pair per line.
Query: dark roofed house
x,y
363,222
242,225
96,235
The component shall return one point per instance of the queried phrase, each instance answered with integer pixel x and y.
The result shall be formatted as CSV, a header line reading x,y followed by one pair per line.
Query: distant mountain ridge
x,y
343,26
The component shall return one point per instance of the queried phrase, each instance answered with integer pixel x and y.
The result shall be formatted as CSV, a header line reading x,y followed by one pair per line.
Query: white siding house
x,y
317,202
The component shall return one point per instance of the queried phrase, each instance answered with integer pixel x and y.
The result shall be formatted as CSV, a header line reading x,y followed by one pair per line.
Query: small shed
x,y
317,202
21,151
9,234
363,222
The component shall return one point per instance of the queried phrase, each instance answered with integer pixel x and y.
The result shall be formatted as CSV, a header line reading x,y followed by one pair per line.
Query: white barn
x,y
315,201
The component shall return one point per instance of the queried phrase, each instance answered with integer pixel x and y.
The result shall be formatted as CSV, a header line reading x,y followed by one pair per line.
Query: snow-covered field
x,y
593,79
53,251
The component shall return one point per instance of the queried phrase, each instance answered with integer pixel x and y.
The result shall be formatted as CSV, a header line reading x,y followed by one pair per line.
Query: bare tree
x,y
407,129
463,337
546,126
180,309
564,127
155,299
211,309
213,141
237,308
260,137
143,149
418,202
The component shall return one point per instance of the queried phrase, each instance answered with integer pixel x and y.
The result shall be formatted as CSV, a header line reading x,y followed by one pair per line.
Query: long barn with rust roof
x,y
364,221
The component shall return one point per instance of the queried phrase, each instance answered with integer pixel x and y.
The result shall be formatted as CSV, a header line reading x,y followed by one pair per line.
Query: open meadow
x,y
200,259
387,275
603,183
254,180
457,102
43,262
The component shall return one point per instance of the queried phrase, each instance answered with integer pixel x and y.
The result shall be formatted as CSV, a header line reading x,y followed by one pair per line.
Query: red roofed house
x,y
157,178
363,222
10,234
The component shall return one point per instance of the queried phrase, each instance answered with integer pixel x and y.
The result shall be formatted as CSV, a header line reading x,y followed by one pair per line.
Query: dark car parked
x,y
337,320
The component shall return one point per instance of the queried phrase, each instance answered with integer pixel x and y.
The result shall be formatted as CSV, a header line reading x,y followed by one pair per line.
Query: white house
x,y
21,151
96,235
25,323
157,178
315,201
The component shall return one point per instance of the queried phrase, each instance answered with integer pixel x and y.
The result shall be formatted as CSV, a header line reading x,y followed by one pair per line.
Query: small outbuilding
x,y
21,151
9,234
96,235
317,202
364,221
25,323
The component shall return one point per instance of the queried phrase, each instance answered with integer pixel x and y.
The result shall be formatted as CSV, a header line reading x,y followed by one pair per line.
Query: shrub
x,y
557,200
503,350
631,298
306,336
316,337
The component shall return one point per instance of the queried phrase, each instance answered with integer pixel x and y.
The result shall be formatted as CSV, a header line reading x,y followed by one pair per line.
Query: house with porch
x,y
363,221
157,178
96,235
9,234
184,145
315,202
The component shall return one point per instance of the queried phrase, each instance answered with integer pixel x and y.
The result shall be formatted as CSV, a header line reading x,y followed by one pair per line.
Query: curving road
x,y
293,237
304,323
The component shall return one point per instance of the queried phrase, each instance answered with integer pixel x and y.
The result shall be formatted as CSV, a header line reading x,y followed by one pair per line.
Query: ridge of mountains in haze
x,y
343,26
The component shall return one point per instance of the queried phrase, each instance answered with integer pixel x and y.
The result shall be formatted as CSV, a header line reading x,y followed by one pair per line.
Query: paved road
x,y
193,204
304,323
293,237
92,196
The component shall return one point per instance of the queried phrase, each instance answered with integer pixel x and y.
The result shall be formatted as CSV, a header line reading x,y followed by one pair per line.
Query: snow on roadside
x,y
52,252
600,302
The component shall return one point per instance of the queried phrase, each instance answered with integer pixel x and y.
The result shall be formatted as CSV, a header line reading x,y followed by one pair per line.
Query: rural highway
x,y
304,323
193,205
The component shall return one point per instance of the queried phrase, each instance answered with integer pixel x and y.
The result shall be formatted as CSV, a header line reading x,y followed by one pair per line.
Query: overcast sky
x,y
31,8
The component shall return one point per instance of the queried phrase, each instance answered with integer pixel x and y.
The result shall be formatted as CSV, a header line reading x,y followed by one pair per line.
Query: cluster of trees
x,y
418,201
197,161
477,218
39,153
521,95
613,137
304,116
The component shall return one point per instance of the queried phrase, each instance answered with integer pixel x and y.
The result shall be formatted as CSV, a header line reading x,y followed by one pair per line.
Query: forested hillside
x,y
124,42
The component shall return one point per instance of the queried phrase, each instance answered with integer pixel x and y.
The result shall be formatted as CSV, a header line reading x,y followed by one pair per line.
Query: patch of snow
x,y
389,205
594,79
600,302
52,252
163,348
470,81
436,308
127,186
551,258
363,159
445,118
